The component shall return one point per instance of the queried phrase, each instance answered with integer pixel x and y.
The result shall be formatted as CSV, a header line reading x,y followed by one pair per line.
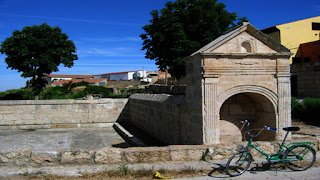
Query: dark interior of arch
x,y
256,108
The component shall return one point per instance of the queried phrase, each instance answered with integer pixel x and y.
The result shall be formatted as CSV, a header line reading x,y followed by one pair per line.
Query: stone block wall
x,y
26,114
133,155
305,79
166,89
162,116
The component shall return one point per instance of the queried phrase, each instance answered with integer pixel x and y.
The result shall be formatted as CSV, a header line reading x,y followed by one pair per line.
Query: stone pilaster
x,y
284,103
211,113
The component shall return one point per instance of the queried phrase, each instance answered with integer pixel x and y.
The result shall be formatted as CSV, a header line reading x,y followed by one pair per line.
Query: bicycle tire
x,y
308,157
238,163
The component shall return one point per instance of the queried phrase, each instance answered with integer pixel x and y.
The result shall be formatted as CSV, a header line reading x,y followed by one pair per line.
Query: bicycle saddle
x,y
291,128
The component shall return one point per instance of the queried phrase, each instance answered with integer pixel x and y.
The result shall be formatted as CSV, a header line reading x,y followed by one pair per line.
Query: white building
x,y
140,75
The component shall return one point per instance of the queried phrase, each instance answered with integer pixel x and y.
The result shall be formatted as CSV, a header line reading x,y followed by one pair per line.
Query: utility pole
x,y
166,77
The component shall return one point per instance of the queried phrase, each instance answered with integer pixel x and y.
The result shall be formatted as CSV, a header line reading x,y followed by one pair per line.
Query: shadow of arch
x,y
255,103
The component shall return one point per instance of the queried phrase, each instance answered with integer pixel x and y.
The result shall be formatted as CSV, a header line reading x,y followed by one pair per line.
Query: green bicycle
x,y
297,156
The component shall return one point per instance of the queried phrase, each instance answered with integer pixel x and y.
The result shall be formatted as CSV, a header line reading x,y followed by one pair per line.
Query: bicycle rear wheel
x,y
300,157
238,163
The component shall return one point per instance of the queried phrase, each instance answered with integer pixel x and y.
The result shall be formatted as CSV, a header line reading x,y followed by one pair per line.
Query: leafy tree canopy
x,y
38,50
183,27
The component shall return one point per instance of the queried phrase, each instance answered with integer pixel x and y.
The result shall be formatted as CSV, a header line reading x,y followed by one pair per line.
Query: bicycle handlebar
x,y
245,121
270,128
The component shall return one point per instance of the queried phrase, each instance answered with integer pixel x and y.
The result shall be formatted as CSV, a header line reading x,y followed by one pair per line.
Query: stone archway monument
x,y
242,74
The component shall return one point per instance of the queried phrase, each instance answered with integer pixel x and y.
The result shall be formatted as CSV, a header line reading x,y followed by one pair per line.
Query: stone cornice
x,y
247,55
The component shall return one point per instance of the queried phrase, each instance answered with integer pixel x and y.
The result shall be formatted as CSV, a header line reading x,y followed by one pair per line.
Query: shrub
x,y
17,94
106,92
306,110
82,83
56,92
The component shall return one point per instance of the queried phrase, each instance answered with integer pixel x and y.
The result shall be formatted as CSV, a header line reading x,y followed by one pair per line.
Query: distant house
x,y
302,38
139,75
158,76
96,82
57,77
292,34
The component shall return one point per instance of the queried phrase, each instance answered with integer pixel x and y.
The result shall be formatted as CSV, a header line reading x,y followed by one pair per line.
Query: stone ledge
x,y
52,126
127,136
178,153
59,102
162,98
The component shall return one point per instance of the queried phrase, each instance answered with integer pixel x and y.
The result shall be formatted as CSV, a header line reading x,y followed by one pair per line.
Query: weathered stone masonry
x,y
27,114
242,74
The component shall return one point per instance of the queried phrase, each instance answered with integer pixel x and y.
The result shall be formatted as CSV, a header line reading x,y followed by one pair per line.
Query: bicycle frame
x,y
278,157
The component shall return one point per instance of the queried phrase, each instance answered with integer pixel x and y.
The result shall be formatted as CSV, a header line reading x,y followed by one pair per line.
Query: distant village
x,y
115,79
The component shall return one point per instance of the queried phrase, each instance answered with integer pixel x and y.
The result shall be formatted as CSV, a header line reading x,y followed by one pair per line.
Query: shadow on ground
x,y
218,170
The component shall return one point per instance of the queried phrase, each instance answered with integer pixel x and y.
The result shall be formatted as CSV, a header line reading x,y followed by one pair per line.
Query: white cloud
x,y
112,39
112,52
71,19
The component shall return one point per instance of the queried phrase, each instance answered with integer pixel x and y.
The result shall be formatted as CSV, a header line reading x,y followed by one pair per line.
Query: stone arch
x,y
247,47
256,103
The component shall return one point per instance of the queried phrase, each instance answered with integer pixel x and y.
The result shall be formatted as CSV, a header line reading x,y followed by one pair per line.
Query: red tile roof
x,y
69,76
90,81
117,73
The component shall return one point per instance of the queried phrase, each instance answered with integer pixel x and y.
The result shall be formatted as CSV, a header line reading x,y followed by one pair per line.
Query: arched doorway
x,y
255,107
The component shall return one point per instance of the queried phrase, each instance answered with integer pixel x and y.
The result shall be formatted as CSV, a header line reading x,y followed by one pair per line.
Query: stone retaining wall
x,y
130,155
30,114
161,115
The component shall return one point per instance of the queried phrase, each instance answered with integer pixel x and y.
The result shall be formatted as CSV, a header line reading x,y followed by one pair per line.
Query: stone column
x,y
211,127
284,104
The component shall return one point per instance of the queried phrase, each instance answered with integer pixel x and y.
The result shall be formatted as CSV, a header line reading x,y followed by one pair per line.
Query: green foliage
x,y
126,92
38,50
183,27
17,94
53,93
125,170
98,90
306,110
82,83
66,92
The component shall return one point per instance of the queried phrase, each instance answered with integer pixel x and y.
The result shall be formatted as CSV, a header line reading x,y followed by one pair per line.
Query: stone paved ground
x,y
95,138
60,138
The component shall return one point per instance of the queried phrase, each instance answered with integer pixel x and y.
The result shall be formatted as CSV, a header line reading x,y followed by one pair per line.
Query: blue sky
x,y
106,32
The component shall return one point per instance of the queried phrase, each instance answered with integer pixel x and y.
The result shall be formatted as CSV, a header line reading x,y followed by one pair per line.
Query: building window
x,y
316,26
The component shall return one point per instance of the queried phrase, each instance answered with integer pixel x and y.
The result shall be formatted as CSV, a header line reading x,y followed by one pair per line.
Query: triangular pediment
x,y
243,39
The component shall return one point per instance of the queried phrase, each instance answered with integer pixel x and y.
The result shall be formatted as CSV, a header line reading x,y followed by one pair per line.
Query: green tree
x,y
38,50
183,27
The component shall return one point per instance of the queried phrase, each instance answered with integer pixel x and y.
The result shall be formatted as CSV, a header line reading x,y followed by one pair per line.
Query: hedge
x,y
306,110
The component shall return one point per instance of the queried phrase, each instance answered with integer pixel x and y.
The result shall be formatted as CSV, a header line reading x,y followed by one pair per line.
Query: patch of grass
x,y
162,171
125,170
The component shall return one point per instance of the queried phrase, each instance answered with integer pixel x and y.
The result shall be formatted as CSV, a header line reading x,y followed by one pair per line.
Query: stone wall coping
x,y
282,54
163,98
132,155
59,102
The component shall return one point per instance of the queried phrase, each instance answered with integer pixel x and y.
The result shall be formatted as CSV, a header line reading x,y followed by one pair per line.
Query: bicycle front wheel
x,y
238,163
299,157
